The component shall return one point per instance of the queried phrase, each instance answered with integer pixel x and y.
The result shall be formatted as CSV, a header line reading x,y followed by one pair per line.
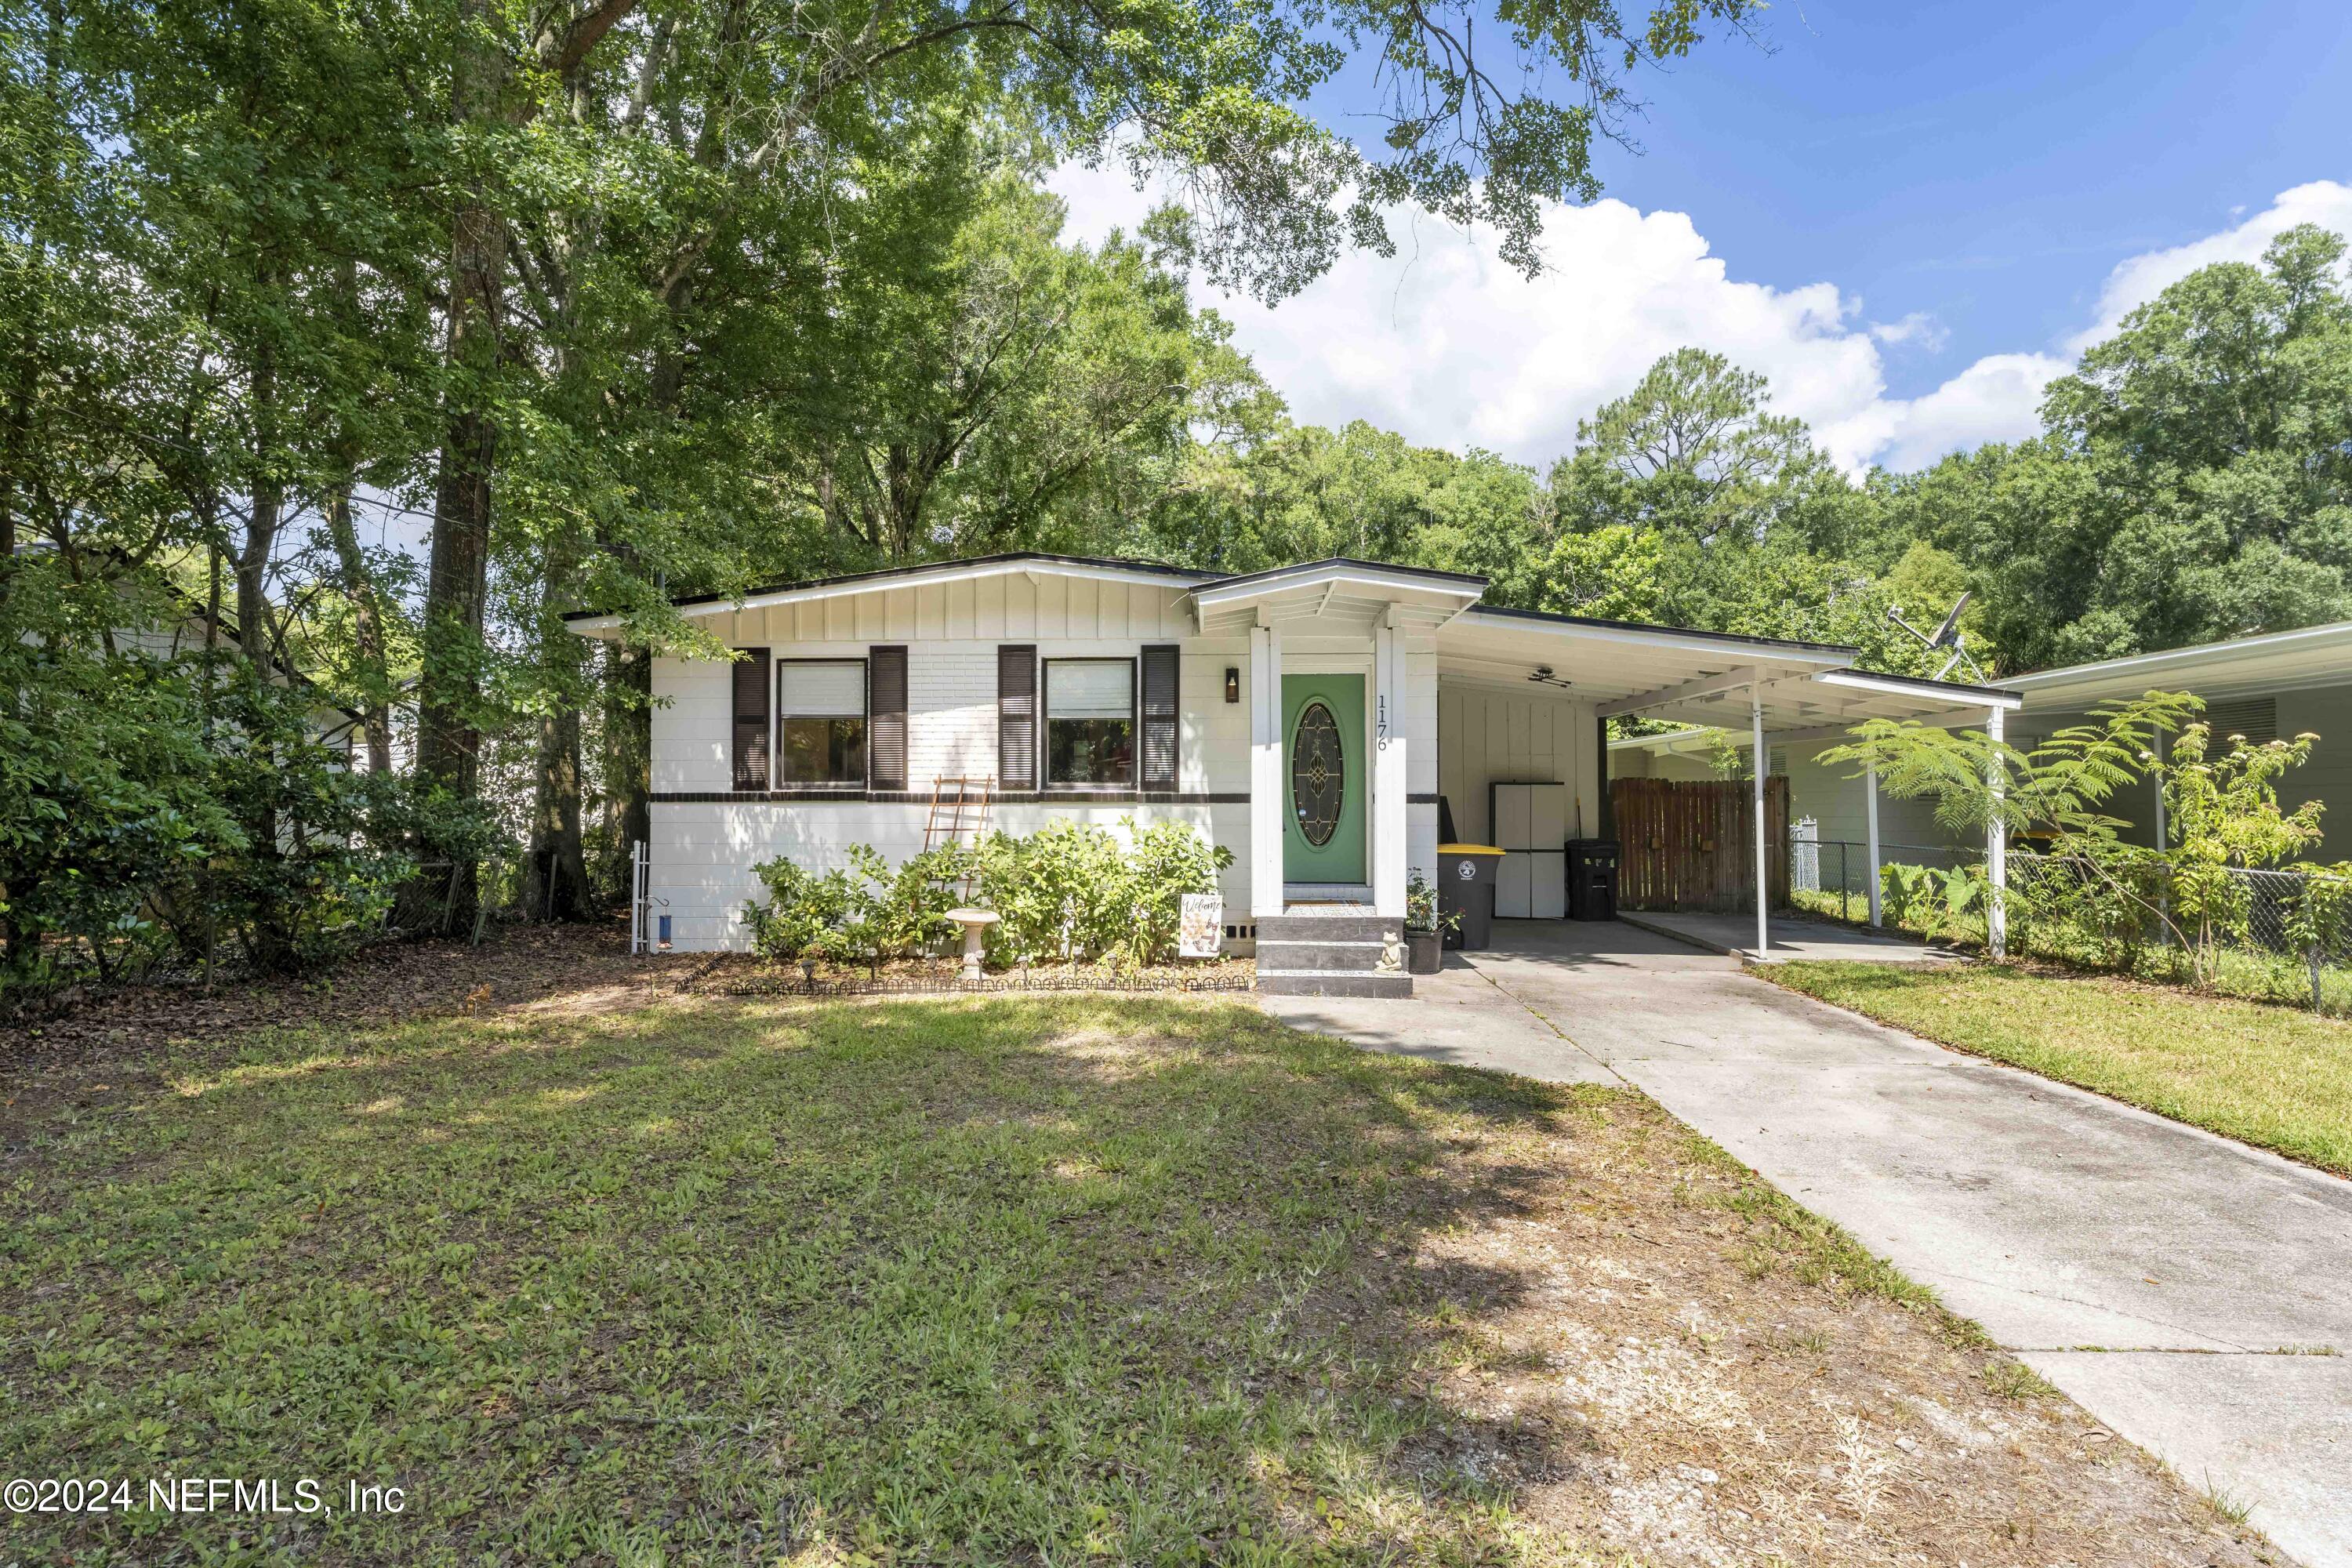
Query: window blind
x,y
1090,689
830,691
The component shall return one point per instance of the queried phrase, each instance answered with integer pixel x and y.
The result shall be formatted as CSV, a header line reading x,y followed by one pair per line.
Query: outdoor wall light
x,y
1233,683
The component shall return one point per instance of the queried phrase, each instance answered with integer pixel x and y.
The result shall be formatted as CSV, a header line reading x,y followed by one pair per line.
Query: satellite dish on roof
x,y
1948,637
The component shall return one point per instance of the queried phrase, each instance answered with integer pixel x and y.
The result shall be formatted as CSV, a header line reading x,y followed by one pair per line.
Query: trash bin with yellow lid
x,y
1466,885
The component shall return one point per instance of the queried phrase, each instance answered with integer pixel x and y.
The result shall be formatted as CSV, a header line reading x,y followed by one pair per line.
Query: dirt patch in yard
x,y
117,1042
1691,1369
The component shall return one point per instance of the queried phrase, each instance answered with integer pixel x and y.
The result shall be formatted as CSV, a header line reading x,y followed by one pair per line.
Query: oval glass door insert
x,y
1318,773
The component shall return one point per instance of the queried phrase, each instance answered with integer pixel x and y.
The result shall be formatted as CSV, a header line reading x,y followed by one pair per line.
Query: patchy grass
x,y
693,1280
2274,1076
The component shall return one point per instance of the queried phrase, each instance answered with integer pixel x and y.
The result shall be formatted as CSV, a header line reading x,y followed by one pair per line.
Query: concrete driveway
x,y
2193,1293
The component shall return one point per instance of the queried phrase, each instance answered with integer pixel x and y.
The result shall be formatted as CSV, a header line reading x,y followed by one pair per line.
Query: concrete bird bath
x,y
975,923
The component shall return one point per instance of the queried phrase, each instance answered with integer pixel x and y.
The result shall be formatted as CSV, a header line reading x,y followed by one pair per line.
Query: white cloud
x,y
1918,328
1999,398
2134,282
1448,345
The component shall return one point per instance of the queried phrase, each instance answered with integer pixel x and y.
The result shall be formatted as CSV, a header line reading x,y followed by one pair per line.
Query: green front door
x,y
1325,777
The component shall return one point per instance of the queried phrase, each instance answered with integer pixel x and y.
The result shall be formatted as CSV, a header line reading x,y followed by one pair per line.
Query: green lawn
x,y
1049,1280
2276,1076
1024,1280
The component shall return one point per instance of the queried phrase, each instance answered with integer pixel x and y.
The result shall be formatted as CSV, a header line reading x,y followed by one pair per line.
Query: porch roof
x,y
1338,590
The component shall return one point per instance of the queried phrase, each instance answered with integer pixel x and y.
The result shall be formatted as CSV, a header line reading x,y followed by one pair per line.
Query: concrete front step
x,y
1333,983
1328,928
1335,956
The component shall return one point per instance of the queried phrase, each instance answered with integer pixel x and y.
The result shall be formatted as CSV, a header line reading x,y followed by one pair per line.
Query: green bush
x,y
1058,893
153,809
1169,859
802,910
865,914
1065,893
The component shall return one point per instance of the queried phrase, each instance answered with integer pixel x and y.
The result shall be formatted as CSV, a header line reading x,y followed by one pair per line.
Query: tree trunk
x,y
555,885
555,881
270,939
352,568
268,505
449,739
367,627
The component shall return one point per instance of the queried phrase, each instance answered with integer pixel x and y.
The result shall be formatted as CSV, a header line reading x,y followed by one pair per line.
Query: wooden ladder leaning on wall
x,y
958,807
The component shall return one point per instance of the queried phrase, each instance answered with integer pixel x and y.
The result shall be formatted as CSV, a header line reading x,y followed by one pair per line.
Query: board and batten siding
x,y
1491,736
2322,710
703,851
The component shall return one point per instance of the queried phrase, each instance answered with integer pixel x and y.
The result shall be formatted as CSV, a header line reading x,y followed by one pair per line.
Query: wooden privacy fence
x,y
1691,847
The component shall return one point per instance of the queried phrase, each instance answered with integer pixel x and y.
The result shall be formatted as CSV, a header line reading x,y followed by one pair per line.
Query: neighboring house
x,y
2281,684
163,620
1309,719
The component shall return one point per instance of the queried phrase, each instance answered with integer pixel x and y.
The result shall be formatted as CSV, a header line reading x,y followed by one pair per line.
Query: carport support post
x,y
1996,844
1762,762
1870,821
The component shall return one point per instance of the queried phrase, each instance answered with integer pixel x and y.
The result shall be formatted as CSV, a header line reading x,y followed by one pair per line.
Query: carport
x,y
1769,691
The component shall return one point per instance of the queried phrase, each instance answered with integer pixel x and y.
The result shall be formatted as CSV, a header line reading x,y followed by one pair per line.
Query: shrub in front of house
x,y
865,914
1066,893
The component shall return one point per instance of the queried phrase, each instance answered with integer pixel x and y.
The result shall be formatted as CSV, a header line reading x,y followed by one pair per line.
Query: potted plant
x,y
1424,926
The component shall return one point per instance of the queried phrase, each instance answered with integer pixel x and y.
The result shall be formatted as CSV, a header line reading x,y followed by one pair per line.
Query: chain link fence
x,y
2261,934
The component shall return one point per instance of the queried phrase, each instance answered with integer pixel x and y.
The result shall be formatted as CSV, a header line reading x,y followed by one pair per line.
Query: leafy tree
x,y
2194,485
707,123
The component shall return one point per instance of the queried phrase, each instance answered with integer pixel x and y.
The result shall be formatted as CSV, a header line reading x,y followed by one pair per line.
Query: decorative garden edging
x,y
1221,979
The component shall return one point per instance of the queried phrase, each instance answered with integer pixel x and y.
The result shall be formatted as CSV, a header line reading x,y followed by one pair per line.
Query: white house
x,y
1309,719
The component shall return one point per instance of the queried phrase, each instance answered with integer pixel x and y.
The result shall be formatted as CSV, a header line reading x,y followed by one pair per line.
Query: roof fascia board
x,y
1328,576
1910,685
2236,648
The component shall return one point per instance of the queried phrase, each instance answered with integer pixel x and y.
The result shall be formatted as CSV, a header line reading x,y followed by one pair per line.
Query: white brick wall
x,y
703,852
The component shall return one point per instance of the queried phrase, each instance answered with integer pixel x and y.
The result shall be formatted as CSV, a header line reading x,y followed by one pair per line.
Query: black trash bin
x,y
1592,878
1466,882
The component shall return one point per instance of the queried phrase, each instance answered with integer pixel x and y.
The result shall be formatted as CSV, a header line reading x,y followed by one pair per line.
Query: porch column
x,y
1390,773
1265,769
1763,765
1869,820
1996,846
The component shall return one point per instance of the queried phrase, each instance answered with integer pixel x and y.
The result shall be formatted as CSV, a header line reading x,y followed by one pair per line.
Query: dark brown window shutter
x,y
1016,717
885,718
751,720
1161,676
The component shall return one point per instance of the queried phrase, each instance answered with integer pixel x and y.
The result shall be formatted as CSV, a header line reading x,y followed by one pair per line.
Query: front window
x,y
821,709
1090,722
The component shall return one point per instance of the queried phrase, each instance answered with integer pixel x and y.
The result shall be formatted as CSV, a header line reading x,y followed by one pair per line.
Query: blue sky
x,y
1909,217
1986,162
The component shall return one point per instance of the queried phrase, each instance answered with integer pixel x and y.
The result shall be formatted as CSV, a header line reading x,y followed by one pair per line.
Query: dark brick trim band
x,y
923,797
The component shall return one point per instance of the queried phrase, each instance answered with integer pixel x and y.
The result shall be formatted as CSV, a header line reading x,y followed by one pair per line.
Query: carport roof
x,y
1698,678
